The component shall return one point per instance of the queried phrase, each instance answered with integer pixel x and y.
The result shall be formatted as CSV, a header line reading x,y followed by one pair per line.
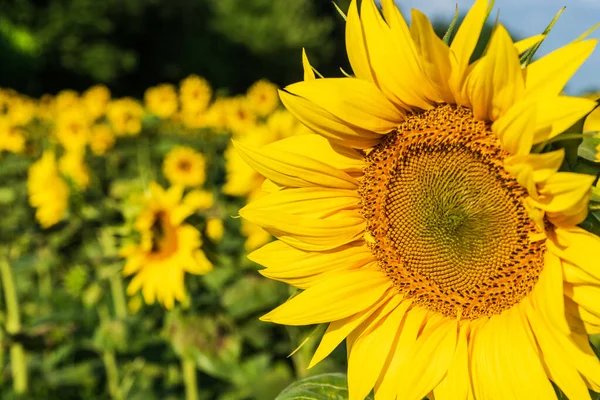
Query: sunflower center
x,y
449,225
184,165
164,236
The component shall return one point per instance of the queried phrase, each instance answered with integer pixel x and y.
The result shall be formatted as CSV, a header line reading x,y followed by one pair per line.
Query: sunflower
x,y
96,100
125,116
11,137
102,139
48,192
262,96
73,128
184,166
161,100
168,248
194,94
72,165
421,226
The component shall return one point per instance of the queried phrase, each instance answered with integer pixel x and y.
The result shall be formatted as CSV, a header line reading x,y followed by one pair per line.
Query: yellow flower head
x,y
214,229
65,99
168,249
193,119
161,100
73,128
22,110
240,116
263,97
96,100
184,166
102,139
72,165
419,224
48,192
194,93
11,137
125,116
45,107
217,114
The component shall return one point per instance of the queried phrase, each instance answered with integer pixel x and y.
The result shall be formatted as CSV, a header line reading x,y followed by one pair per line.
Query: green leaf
x,y
320,387
527,57
588,149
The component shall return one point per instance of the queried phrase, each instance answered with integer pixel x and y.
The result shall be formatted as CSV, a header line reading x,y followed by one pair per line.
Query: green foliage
x,y
320,387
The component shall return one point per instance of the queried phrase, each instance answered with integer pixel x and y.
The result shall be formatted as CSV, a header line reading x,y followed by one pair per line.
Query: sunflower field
x,y
429,230
124,269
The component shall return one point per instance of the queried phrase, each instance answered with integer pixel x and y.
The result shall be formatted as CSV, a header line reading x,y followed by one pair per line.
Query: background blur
x,y
50,45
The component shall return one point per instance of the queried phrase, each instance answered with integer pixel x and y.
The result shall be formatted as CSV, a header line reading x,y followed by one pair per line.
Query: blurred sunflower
x,y
102,139
72,165
184,166
239,115
161,100
194,94
168,248
73,128
65,99
420,225
263,98
96,100
11,137
48,192
125,116
22,110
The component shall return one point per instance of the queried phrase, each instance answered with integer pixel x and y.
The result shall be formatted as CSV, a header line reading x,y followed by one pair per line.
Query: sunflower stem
x,y
112,374
13,326
116,289
189,378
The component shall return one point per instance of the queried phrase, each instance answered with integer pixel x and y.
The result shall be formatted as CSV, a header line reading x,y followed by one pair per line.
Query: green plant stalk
x,y
45,283
13,326
189,378
110,362
118,295
112,374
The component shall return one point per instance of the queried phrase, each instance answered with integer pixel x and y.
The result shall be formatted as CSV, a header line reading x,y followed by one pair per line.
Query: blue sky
x,y
530,17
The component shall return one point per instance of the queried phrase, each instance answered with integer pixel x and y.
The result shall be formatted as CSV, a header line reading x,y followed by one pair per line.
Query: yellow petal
x,y
309,233
585,296
329,301
496,82
326,124
494,360
386,386
464,43
531,169
355,45
523,45
339,330
289,169
576,275
563,190
557,361
515,129
372,347
314,202
456,384
438,347
549,75
548,296
394,61
309,74
320,149
354,101
579,247
434,55
555,114
305,268
581,320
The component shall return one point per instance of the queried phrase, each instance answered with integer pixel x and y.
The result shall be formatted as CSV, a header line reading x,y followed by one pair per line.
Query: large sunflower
x,y
420,224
